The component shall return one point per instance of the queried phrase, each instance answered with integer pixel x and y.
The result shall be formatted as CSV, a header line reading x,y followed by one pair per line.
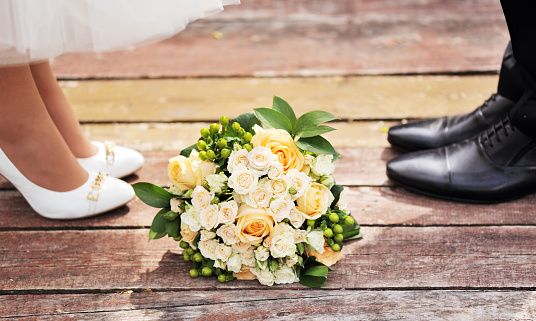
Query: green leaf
x,y
336,190
188,150
173,228
354,234
320,270
152,195
312,119
246,121
273,119
158,227
283,107
318,145
312,281
314,131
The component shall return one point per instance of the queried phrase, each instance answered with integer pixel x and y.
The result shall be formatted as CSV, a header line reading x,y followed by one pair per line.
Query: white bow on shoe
x,y
116,161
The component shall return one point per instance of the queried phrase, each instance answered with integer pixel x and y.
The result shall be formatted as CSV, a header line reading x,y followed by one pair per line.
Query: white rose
x,y
237,157
299,181
296,217
219,264
207,235
239,199
257,129
279,187
175,205
300,236
228,234
241,247
201,198
208,248
267,240
260,159
283,245
243,180
248,258
315,239
234,263
281,228
260,196
228,211
261,253
265,277
280,208
276,170
308,159
223,252
322,165
292,260
217,182
343,201
285,275
209,217
191,218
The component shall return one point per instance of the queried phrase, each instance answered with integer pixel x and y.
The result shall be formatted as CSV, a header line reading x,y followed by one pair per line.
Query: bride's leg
x,y
60,111
29,137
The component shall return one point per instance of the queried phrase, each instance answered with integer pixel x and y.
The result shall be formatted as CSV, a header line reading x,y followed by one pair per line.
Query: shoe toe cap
x,y
419,135
127,162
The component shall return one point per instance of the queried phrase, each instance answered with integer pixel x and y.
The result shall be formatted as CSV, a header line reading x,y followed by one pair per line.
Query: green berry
x,y
248,147
338,237
205,132
221,143
203,155
210,154
247,137
214,128
194,273
336,247
206,271
328,232
311,222
177,238
236,126
198,257
225,153
337,229
224,120
334,217
222,277
201,144
184,245
190,251
241,132
349,221
186,257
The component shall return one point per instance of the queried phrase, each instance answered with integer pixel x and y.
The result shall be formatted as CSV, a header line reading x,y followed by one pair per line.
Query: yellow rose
x,y
187,173
253,224
188,235
315,201
281,144
328,257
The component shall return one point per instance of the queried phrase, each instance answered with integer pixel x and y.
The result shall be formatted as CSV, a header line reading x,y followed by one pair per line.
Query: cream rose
x,y
191,218
276,170
279,187
201,198
281,228
238,157
223,252
208,248
240,247
207,235
175,204
282,145
291,260
300,236
187,234
265,277
315,201
242,180
299,181
187,173
296,218
260,159
219,264
280,208
248,258
234,263
315,239
343,201
216,183
283,245
308,159
262,253
322,165
228,234
259,196
253,224
208,218
285,275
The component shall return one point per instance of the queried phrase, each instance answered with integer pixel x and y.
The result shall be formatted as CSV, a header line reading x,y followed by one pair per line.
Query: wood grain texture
x,y
263,38
349,98
388,258
291,305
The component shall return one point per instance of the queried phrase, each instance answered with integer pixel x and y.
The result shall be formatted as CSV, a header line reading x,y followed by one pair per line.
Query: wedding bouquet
x,y
255,199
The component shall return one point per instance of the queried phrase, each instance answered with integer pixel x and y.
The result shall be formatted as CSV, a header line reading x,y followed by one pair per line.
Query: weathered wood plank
x,y
388,258
350,98
291,305
300,38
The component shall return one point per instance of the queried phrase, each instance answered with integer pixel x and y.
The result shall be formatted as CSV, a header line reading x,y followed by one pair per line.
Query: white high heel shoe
x,y
97,195
116,161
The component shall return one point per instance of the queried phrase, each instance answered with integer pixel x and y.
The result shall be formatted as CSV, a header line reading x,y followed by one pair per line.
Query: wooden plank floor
x,y
420,259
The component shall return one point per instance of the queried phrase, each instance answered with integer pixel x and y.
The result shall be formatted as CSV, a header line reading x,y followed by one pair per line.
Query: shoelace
x,y
495,128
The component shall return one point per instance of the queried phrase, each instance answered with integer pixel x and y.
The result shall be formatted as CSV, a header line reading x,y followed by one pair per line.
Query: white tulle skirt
x,y
36,30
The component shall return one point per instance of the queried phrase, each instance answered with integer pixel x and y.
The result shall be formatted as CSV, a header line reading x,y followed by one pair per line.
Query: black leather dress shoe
x,y
496,166
437,132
